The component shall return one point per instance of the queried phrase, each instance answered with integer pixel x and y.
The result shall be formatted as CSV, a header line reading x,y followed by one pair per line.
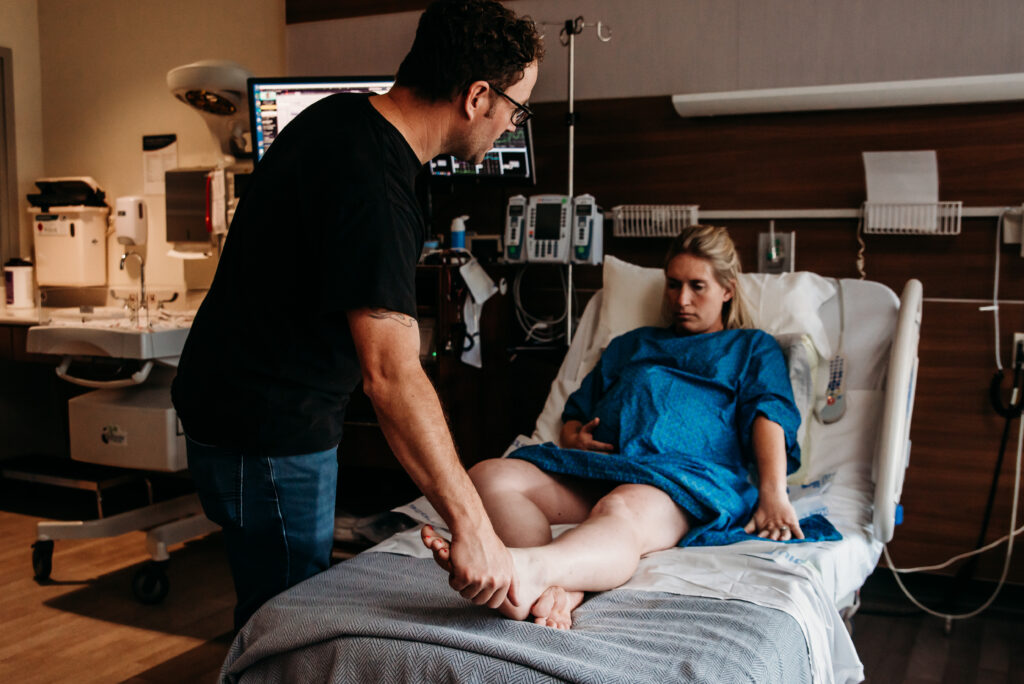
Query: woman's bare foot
x,y
438,545
554,607
549,606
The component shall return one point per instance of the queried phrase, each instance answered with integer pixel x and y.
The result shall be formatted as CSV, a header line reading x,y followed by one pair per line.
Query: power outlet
x,y
1017,337
782,259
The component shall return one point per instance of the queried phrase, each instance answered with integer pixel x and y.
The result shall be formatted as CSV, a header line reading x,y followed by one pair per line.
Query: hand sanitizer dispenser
x,y
131,221
458,232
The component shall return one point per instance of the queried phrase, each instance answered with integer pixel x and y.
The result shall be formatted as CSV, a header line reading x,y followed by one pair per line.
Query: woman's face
x,y
694,296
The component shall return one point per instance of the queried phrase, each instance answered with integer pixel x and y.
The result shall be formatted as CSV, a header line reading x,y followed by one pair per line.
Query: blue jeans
x,y
277,513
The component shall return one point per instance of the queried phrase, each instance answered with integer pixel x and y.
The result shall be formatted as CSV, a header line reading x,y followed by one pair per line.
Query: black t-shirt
x,y
329,223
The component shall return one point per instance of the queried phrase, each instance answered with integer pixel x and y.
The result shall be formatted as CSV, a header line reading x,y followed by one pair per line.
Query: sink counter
x,y
105,332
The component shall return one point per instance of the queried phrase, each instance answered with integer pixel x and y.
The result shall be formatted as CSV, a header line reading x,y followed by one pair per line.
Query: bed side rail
x,y
893,453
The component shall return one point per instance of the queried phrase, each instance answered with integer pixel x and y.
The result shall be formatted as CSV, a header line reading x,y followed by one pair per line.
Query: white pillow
x,y
778,304
788,303
633,297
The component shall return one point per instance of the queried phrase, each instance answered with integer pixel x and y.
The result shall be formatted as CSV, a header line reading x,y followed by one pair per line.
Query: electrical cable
x,y
1006,563
862,249
994,307
540,330
954,559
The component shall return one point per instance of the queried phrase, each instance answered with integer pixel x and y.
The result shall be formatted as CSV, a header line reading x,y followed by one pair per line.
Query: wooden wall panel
x,y
638,150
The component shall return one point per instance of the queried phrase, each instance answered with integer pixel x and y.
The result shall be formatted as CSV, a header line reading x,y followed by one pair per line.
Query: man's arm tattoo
x,y
407,321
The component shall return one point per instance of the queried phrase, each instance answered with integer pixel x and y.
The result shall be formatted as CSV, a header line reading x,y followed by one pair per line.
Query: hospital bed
x,y
752,611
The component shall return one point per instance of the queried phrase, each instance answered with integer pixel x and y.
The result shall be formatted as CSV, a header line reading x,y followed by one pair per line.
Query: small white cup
x,y
19,284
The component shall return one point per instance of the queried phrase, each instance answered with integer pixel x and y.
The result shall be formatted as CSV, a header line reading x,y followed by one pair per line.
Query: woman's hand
x,y
576,435
774,519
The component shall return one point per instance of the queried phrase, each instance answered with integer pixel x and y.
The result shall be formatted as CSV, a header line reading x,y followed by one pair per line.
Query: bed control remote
x,y
832,408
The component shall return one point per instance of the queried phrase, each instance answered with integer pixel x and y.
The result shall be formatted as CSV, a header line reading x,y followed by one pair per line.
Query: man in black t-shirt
x,y
315,291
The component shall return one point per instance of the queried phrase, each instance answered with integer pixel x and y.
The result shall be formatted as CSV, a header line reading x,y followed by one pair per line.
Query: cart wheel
x,y
42,559
150,584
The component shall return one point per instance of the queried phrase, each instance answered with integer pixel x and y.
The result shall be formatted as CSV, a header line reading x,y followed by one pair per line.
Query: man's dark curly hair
x,y
462,41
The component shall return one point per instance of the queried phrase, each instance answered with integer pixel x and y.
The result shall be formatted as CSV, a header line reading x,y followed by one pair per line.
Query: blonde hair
x,y
713,244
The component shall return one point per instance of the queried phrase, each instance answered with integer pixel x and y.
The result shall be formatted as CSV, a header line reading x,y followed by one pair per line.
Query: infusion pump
x,y
553,229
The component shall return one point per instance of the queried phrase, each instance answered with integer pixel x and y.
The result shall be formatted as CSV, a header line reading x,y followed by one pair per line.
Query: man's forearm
x,y
414,424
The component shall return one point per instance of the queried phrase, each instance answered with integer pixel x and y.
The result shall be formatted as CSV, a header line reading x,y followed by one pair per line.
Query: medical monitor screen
x,y
549,222
273,102
510,160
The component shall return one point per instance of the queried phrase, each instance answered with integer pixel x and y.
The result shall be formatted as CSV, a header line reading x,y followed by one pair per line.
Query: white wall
x,y
19,31
662,47
104,67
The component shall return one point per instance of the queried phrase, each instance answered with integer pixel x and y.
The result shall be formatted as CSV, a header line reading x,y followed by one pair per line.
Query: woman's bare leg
x,y
523,501
600,554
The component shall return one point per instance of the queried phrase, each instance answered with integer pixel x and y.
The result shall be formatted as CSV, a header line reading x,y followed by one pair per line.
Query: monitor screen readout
x,y
549,222
509,158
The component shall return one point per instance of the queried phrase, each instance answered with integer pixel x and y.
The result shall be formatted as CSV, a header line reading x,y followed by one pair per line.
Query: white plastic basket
x,y
652,220
933,218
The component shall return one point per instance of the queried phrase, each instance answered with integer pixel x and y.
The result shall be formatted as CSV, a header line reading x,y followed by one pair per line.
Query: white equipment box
x,y
69,228
133,427
71,245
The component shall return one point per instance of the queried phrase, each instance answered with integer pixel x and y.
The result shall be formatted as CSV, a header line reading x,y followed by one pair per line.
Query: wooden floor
x,y
85,626
898,643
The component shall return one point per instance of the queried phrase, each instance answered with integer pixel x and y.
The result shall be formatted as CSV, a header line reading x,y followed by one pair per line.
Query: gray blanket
x,y
387,618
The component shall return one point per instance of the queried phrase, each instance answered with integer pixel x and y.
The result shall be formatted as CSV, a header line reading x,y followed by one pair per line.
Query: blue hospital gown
x,y
680,411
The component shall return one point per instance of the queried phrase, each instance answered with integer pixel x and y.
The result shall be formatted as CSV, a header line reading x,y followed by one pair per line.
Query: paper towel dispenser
x,y
200,203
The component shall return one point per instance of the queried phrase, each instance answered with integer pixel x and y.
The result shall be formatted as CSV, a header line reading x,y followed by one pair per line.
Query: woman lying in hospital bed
x,y
656,446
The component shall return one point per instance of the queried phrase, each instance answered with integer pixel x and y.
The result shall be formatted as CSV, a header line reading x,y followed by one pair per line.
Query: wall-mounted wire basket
x,y
652,220
932,218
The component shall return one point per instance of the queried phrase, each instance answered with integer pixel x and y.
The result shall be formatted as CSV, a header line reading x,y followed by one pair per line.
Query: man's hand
x,y
482,570
576,435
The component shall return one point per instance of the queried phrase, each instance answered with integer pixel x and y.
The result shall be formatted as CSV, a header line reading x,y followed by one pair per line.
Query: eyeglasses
x,y
521,114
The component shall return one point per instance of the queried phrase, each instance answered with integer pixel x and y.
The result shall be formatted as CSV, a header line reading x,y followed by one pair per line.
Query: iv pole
x,y
570,29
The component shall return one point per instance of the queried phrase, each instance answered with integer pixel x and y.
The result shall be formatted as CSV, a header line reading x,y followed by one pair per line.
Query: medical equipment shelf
x,y
929,218
824,213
